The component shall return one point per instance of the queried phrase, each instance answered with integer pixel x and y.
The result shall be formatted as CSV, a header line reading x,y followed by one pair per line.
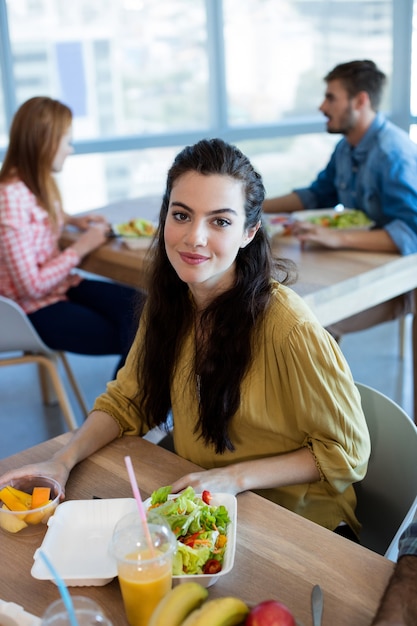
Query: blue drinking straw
x,y
62,589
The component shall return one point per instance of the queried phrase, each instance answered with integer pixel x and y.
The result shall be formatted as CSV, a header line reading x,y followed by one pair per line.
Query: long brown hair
x,y
37,128
228,322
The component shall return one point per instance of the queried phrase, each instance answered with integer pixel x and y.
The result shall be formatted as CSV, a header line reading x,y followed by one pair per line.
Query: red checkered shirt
x,y
33,271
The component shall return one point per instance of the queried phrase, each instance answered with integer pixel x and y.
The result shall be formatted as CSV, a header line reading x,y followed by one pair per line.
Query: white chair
x,y
17,334
392,552
389,489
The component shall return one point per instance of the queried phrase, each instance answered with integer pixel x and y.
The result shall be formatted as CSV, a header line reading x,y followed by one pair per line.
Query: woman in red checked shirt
x,y
69,312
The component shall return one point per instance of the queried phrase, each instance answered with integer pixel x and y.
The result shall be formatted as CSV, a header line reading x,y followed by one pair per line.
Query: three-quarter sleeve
x,y
325,404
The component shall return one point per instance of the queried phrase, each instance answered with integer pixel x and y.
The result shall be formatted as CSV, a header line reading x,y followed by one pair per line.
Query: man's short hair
x,y
359,76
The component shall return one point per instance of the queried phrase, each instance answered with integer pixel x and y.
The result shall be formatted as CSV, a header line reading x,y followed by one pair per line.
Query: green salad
x,y
200,528
345,219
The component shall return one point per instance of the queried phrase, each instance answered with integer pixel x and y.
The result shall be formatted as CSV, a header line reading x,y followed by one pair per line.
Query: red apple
x,y
270,613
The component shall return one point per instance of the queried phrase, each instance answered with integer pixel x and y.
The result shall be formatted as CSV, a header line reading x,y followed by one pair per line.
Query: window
x,y
144,78
278,53
120,66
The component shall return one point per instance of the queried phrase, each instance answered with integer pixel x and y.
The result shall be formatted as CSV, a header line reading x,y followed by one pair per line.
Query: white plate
x,y
279,224
206,580
77,541
137,243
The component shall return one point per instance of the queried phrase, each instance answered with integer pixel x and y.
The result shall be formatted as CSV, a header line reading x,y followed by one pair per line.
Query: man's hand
x,y
308,232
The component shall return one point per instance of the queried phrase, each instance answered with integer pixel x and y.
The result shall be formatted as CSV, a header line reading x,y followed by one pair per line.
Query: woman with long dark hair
x,y
260,394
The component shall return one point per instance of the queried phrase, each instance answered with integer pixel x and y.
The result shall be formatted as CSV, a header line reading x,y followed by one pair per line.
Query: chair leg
x,y
74,385
47,390
59,390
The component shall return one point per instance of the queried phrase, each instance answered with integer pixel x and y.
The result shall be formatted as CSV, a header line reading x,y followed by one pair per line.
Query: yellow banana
x,y
178,603
227,611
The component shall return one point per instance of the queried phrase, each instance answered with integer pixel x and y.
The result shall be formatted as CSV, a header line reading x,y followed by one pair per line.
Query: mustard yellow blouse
x,y
298,392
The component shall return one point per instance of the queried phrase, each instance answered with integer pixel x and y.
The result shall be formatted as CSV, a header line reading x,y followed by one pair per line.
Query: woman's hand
x,y
83,222
92,238
51,469
217,480
291,468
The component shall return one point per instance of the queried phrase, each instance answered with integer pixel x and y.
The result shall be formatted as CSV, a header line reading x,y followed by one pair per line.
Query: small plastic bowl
x,y
32,521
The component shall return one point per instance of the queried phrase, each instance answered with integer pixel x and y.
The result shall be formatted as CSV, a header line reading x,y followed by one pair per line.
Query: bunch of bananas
x,y
187,605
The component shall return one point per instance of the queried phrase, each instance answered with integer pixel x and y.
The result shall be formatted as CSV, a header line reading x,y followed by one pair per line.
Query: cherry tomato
x,y
213,566
206,497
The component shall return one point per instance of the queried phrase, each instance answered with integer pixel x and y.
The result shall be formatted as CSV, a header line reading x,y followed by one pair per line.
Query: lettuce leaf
x,y
190,560
196,525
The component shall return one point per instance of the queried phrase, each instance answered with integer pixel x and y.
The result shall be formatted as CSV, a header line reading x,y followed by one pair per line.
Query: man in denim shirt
x,y
373,168
398,606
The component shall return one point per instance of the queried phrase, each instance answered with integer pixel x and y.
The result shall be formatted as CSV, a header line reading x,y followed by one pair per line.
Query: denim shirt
x,y
378,176
408,541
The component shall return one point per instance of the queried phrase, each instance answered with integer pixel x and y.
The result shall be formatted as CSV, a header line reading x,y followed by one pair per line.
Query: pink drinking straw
x,y
136,493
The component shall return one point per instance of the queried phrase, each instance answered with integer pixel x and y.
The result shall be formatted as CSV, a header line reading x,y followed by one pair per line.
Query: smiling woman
x,y
260,394
204,232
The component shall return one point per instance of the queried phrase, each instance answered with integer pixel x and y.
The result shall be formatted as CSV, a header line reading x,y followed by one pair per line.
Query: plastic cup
x,y
144,571
87,613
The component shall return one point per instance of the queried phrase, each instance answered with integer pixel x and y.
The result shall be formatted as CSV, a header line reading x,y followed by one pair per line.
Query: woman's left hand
x,y
83,222
217,480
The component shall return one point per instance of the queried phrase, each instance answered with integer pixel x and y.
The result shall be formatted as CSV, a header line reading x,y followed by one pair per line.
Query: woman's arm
x,y
29,245
83,222
97,431
291,468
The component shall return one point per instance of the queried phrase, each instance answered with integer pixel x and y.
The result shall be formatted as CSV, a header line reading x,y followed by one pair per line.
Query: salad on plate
x,y
347,218
200,529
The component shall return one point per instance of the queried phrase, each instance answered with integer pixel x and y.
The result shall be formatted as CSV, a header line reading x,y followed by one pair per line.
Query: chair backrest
x,y
16,331
389,488
392,552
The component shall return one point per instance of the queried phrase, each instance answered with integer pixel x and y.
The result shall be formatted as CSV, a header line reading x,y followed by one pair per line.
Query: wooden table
x,y
335,283
279,554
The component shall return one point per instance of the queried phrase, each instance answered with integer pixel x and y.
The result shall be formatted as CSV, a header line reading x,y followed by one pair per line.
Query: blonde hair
x,y
36,131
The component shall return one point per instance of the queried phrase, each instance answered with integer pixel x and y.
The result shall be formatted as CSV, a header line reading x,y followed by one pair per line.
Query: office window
x,y
92,180
278,52
144,78
413,85
125,68
289,162
3,129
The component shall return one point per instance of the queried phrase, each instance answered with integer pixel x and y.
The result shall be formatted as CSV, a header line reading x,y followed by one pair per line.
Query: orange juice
x,y
144,580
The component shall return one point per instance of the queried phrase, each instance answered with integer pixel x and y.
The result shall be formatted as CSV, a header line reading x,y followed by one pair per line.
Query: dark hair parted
x,y
227,324
359,76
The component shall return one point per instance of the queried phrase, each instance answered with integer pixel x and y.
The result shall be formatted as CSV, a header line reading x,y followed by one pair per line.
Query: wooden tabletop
x,y
279,555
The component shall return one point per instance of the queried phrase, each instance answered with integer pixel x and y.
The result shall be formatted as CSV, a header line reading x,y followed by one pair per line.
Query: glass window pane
x,y
413,103
3,129
278,52
122,67
284,163
289,162
113,176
